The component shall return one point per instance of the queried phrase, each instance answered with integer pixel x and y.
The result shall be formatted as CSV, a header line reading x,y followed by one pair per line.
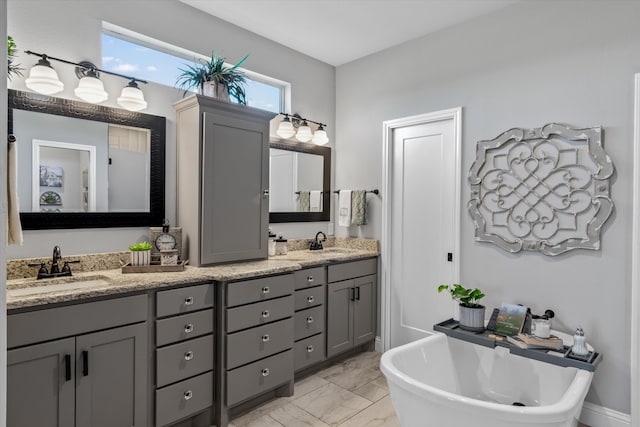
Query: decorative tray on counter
x,y
152,268
562,357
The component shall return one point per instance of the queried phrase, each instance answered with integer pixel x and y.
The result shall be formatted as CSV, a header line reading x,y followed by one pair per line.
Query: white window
x,y
139,56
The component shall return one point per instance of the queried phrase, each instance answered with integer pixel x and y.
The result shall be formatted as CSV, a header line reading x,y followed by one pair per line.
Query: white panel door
x,y
423,218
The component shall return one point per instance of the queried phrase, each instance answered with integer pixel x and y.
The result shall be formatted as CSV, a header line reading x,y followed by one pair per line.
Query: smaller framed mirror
x,y
299,181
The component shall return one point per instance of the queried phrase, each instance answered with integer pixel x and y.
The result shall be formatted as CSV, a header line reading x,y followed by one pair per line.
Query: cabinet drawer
x,y
311,297
310,277
349,270
309,322
179,361
183,399
249,291
183,327
44,325
258,377
308,351
184,300
259,313
257,343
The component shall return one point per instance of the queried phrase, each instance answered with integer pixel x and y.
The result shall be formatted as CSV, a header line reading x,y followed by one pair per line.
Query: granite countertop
x,y
28,292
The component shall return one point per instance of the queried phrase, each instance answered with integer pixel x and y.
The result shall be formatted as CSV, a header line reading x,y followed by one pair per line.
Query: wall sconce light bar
x,y
90,88
291,122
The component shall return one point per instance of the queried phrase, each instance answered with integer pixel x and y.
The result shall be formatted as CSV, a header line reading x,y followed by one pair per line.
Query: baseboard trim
x,y
378,345
599,416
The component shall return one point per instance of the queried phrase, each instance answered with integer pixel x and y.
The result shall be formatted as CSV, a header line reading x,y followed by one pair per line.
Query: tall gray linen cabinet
x,y
223,180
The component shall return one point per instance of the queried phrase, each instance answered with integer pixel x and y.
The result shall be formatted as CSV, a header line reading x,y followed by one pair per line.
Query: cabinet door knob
x,y
265,313
265,338
188,395
265,372
311,299
188,328
265,290
188,301
265,193
188,355
309,349
310,319
309,279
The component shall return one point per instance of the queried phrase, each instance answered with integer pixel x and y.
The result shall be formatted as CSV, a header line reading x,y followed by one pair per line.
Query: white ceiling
x,y
340,31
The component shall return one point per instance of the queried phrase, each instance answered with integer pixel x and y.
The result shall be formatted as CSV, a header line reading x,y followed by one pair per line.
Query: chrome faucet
x,y
316,245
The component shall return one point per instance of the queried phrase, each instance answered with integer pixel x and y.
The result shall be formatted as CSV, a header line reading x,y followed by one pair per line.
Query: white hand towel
x,y
315,201
344,208
14,235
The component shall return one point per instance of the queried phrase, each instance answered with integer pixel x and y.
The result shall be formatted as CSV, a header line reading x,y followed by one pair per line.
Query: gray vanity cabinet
x,y
223,180
351,305
310,294
91,379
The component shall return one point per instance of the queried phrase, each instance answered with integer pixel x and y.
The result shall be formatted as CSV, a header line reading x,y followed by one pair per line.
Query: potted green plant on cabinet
x,y
140,253
214,78
471,312
14,69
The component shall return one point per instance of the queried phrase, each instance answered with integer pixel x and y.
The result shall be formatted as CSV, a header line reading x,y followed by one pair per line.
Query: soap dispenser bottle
x,y
579,343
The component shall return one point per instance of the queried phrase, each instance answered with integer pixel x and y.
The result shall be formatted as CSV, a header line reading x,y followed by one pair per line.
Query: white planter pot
x,y
215,90
140,257
472,318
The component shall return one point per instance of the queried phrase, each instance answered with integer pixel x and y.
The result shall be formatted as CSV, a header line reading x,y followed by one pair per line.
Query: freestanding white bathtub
x,y
445,382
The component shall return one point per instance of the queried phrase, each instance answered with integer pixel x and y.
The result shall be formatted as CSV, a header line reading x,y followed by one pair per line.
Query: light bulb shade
x,y
285,129
304,133
91,89
132,98
44,79
320,137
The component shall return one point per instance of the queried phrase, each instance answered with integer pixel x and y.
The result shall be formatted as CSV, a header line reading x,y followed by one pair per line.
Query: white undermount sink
x,y
61,284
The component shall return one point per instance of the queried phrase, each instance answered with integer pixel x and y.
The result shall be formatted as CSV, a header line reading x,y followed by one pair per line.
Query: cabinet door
x,y
364,310
111,370
235,207
339,317
41,385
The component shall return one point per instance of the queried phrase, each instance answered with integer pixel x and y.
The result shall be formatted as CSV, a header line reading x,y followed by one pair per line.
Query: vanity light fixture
x,y
90,87
43,78
287,129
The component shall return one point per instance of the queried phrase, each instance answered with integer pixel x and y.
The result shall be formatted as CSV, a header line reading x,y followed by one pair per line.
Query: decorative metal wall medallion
x,y
544,189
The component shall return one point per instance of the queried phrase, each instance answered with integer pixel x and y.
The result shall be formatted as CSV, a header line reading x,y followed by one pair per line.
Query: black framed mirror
x,y
67,188
300,182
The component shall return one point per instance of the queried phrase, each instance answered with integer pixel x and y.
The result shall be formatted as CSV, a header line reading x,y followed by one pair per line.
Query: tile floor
x,y
350,394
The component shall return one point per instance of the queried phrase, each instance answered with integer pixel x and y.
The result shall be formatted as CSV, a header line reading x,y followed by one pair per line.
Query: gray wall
x,y
524,66
72,30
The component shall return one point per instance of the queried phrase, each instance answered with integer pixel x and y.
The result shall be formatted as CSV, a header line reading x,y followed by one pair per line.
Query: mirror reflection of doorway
x,y
63,177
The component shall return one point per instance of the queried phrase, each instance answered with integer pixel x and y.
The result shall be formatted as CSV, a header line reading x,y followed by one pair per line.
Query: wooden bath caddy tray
x,y
153,268
562,357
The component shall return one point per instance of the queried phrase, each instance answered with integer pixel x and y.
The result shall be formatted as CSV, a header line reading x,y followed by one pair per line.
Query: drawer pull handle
x,y
188,355
188,395
265,290
309,349
310,279
188,301
188,328
266,338
265,313
310,300
265,372
310,319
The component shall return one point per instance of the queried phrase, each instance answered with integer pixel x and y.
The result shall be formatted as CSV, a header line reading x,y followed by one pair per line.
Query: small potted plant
x,y
214,78
140,253
14,69
471,312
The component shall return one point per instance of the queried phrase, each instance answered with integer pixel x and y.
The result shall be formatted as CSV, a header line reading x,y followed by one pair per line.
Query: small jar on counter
x,y
281,246
272,244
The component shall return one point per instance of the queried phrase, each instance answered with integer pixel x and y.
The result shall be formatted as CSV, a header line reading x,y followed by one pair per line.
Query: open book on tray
x,y
529,341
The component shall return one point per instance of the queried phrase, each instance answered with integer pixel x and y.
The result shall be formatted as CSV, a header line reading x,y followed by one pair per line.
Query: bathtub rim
x,y
571,401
